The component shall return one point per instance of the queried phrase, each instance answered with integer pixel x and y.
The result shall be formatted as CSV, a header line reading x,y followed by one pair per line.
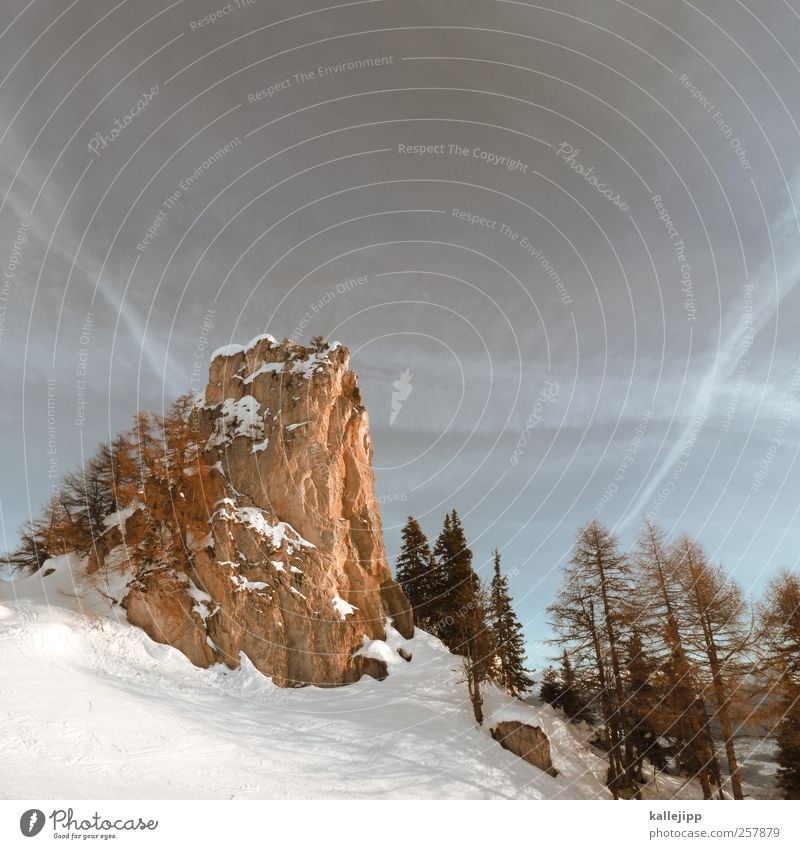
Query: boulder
x,y
529,742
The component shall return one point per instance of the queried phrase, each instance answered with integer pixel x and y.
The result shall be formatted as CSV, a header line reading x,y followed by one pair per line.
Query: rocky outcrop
x,y
293,572
160,605
528,742
398,608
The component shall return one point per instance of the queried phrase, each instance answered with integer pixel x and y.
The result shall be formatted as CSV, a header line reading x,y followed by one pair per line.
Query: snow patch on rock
x,y
227,351
238,418
258,520
267,368
343,608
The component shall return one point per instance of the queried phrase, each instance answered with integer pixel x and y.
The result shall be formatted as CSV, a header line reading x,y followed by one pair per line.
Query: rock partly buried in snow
x,y
528,742
161,605
294,571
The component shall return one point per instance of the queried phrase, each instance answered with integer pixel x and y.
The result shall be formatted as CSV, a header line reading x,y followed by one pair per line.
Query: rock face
x,y
528,742
294,571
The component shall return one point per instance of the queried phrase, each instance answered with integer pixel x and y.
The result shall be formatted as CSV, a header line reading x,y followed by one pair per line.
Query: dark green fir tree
x,y
508,668
416,572
462,608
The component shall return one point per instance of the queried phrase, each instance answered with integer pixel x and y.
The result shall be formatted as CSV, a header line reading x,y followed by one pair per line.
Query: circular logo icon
x,y
31,822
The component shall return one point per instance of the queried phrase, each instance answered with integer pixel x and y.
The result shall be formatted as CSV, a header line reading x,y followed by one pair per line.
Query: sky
x,y
566,231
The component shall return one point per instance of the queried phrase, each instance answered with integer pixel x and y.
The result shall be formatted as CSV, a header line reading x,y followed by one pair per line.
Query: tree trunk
x,y
719,690
724,715
619,688
612,779
474,687
698,719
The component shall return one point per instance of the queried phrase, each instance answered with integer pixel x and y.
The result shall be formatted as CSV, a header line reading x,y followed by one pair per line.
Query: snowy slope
x,y
93,708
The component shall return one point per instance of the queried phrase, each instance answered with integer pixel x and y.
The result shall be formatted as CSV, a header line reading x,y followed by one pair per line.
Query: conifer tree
x,y
509,653
440,602
561,689
416,572
552,687
455,586
788,755
779,638
461,608
572,699
641,698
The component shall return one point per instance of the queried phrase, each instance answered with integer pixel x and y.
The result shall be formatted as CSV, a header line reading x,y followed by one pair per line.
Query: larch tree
x,y
37,542
716,620
86,497
165,474
680,710
589,615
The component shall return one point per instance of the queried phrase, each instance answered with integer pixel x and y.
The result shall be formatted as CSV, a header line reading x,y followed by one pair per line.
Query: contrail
x,y
725,363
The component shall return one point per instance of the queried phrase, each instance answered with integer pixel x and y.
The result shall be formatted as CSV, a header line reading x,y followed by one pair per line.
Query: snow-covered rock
x,y
289,438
